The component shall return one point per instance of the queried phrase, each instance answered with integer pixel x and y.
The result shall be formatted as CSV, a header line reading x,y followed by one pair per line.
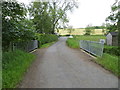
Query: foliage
x,y
47,15
10,16
27,30
14,66
97,27
47,44
88,30
104,29
114,18
41,17
14,25
109,62
46,38
70,29
113,50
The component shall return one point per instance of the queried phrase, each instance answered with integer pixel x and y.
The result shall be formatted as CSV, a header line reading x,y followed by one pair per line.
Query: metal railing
x,y
26,46
93,47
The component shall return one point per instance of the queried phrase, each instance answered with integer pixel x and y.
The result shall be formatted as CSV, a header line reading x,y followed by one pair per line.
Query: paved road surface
x,y
62,67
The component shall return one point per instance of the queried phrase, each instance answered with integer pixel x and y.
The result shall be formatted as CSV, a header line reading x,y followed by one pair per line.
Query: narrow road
x,y
62,67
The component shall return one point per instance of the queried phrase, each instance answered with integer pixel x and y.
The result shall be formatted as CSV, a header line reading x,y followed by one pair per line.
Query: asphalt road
x,y
62,67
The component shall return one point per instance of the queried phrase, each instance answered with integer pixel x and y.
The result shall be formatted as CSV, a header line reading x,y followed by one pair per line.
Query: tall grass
x,y
109,62
14,66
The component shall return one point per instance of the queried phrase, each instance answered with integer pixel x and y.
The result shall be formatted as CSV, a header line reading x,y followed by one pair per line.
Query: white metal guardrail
x,y
93,47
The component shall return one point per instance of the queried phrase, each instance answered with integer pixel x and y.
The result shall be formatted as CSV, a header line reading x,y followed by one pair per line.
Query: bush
x,y
46,38
113,50
14,65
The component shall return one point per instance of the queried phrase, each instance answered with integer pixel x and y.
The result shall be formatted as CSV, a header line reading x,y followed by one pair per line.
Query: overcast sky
x,y
89,12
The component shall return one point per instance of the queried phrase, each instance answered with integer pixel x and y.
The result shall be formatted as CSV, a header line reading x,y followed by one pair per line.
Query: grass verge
x,y
109,62
47,45
15,64
73,43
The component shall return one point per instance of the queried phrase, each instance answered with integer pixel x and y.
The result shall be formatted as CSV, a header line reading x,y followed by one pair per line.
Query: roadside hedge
x,y
113,50
46,38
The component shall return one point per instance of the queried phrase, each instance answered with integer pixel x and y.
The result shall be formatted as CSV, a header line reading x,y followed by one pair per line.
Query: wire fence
x,y
26,46
93,47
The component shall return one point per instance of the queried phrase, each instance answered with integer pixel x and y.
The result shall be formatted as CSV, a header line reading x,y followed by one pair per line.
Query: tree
x,y
103,28
114,17
118,24
70,29
12,12
41,17
88,30
48,15
59,10
14,26
27,30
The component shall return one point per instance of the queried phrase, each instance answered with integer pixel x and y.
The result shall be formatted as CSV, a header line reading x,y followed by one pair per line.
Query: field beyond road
x,y
62,67
80,32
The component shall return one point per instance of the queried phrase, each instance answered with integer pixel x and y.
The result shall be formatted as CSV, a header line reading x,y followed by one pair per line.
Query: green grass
x,y
47,45
109,62
0,69
74,42
0,79
91,37
15,64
